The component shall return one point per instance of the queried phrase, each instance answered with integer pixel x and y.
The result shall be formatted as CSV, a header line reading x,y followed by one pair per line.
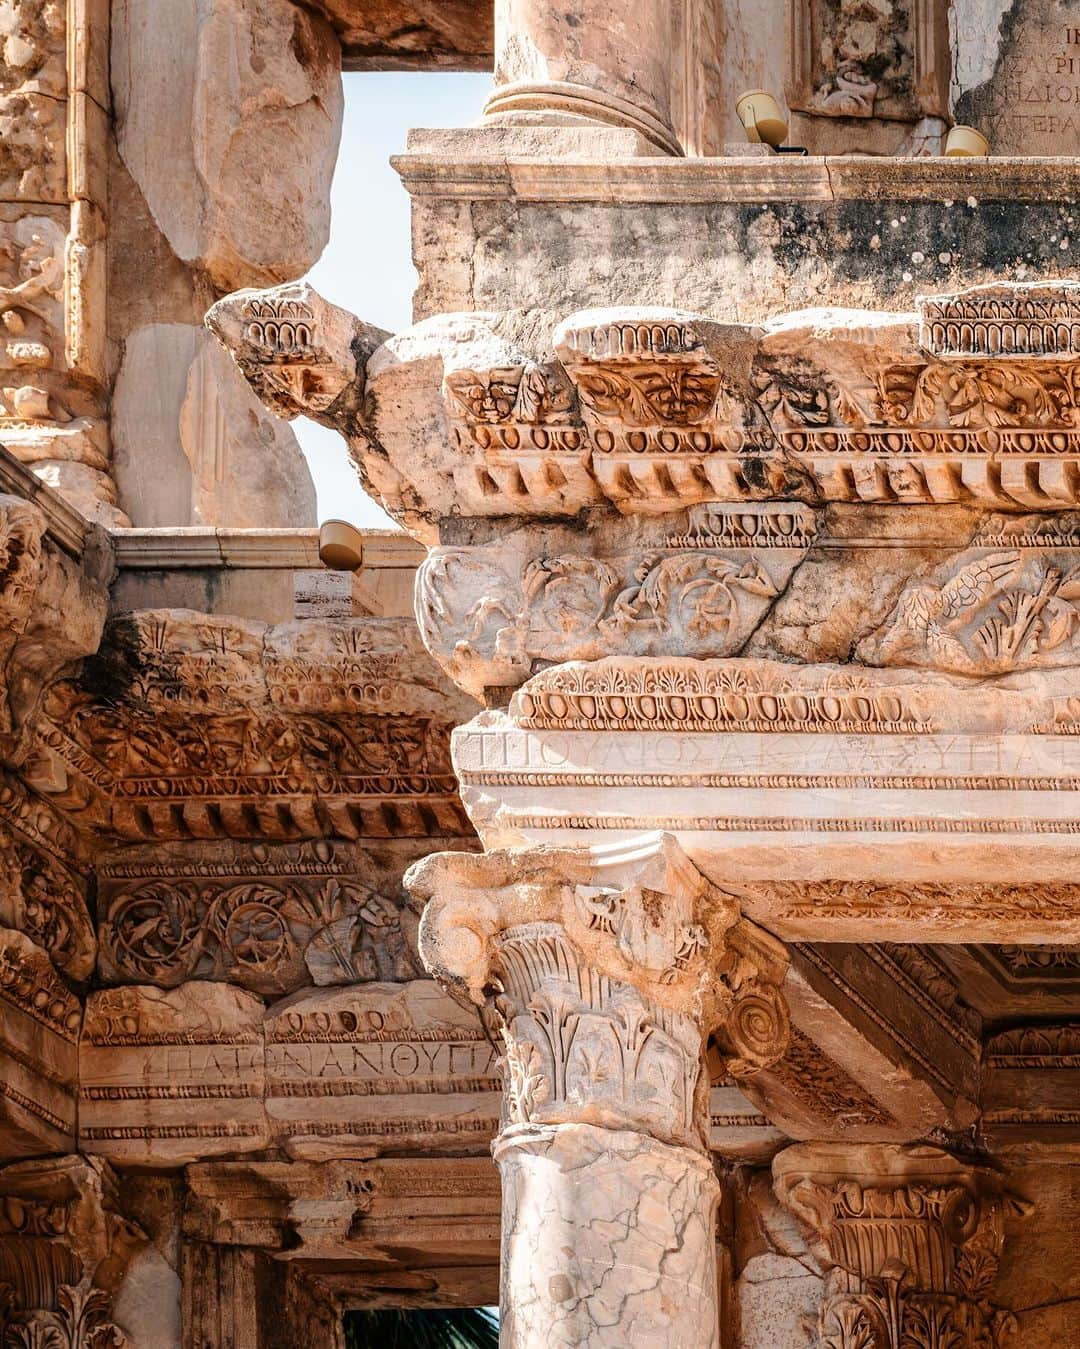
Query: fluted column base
x,y
560,102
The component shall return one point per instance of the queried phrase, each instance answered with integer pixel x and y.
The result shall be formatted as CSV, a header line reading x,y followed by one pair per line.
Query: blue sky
x,y
367,266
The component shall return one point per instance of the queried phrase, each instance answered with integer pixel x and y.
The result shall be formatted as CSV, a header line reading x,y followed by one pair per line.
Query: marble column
x,y
911,1238
604,975
607,61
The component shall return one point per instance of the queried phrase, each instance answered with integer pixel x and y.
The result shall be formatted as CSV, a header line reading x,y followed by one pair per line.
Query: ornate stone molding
x,y
193,725
205,1070
912,1238
272,919
40,1019
732,755
604,972
493,614
971,398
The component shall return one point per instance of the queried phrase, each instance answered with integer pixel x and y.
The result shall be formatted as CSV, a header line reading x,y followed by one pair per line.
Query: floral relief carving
x,y
271,937
491,622
972,398
986,613
604,988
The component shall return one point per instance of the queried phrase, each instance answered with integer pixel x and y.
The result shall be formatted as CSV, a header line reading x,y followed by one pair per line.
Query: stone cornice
x,y
751,179
210,546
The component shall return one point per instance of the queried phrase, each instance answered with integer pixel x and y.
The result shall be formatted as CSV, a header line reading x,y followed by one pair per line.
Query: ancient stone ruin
x,y
645,894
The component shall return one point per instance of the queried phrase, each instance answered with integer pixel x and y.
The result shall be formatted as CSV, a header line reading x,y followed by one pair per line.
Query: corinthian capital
x,y
912,1237
605,971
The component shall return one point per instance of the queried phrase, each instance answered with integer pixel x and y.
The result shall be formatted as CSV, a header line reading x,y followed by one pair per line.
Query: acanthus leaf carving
x,y
912,1239
604,973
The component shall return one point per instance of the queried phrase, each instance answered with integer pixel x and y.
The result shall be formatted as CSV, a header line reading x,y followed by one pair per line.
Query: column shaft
x,y
609,1240
604,61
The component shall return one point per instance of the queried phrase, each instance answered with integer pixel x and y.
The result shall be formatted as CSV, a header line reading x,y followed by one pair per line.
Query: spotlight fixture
x,y
965,142
341,546
760,114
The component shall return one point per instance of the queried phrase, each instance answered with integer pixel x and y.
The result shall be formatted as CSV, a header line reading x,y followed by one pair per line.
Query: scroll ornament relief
x,y
603,991
992,609
270,935
912,1239
972,397
43,898
492,615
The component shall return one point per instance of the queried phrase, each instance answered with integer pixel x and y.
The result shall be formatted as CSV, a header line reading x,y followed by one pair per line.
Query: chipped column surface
x,y
603,972
608,1241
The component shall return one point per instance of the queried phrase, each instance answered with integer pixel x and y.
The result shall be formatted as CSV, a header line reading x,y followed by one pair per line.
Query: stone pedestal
x,y
611,63
604,974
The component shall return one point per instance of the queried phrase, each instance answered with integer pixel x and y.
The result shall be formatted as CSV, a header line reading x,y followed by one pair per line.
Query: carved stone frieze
x,y
869,70
301,355
168,1077
669,404
912,1239
991,609
42,894
205,1070
1031,1076
493,614
772,771
973,398
187,724
385,1067
270,918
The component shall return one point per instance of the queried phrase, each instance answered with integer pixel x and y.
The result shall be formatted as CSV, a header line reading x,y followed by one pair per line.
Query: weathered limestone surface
x,y
573,1216
738,238
413,34
206,94
192,444
39,1037
604,973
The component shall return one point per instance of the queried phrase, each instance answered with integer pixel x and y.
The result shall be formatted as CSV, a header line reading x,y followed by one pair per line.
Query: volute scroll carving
x,y
603,973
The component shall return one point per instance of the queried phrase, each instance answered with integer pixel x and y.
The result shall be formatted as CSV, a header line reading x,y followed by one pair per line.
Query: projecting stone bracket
x,y
882,1047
